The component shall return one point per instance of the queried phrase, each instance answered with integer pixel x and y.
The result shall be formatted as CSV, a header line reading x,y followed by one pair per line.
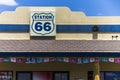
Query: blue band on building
x,y
61,28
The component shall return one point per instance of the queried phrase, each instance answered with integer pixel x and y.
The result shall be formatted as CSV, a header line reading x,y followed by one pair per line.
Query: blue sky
x,y
89,7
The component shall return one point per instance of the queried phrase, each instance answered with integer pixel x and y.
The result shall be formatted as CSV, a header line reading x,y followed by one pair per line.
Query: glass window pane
x,y
24,76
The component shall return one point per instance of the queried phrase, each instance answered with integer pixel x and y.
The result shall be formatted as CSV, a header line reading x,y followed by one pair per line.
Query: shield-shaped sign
x,y
43,24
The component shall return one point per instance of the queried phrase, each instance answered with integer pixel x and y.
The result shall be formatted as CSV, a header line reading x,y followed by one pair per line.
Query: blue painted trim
x,y
58,54
61,28
74,28
14,28
87,28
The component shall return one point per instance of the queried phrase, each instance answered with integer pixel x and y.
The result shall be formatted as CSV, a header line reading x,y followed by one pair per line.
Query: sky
x,y
89,7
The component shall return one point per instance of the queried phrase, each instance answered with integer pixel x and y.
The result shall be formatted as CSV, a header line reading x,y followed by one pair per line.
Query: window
x,y
61,76
24,76
105,75
6,75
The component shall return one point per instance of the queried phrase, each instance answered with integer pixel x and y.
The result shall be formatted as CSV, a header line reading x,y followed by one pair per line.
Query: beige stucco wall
x,y
14,36
61,36
108,36
74,36
63,16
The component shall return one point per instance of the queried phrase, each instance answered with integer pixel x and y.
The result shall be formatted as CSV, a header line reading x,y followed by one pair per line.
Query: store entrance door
x,y
42,75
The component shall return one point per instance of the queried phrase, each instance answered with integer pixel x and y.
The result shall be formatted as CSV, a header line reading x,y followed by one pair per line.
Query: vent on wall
x,y
95,28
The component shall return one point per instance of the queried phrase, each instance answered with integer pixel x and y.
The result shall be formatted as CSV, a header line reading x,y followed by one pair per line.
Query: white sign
x,y
42,23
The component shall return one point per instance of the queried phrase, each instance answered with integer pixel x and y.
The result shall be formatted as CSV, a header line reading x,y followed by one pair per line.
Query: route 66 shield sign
x,y
42,24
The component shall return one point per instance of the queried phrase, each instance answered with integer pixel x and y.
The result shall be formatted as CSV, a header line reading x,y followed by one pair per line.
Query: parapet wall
x,y
63,16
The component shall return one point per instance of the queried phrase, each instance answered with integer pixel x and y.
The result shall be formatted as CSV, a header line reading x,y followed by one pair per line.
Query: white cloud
x,y
8,2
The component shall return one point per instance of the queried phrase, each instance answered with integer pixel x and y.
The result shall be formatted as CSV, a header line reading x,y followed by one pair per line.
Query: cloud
x,y
8,2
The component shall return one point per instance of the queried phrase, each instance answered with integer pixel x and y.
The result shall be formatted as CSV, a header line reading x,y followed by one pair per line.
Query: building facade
x,y
70,53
